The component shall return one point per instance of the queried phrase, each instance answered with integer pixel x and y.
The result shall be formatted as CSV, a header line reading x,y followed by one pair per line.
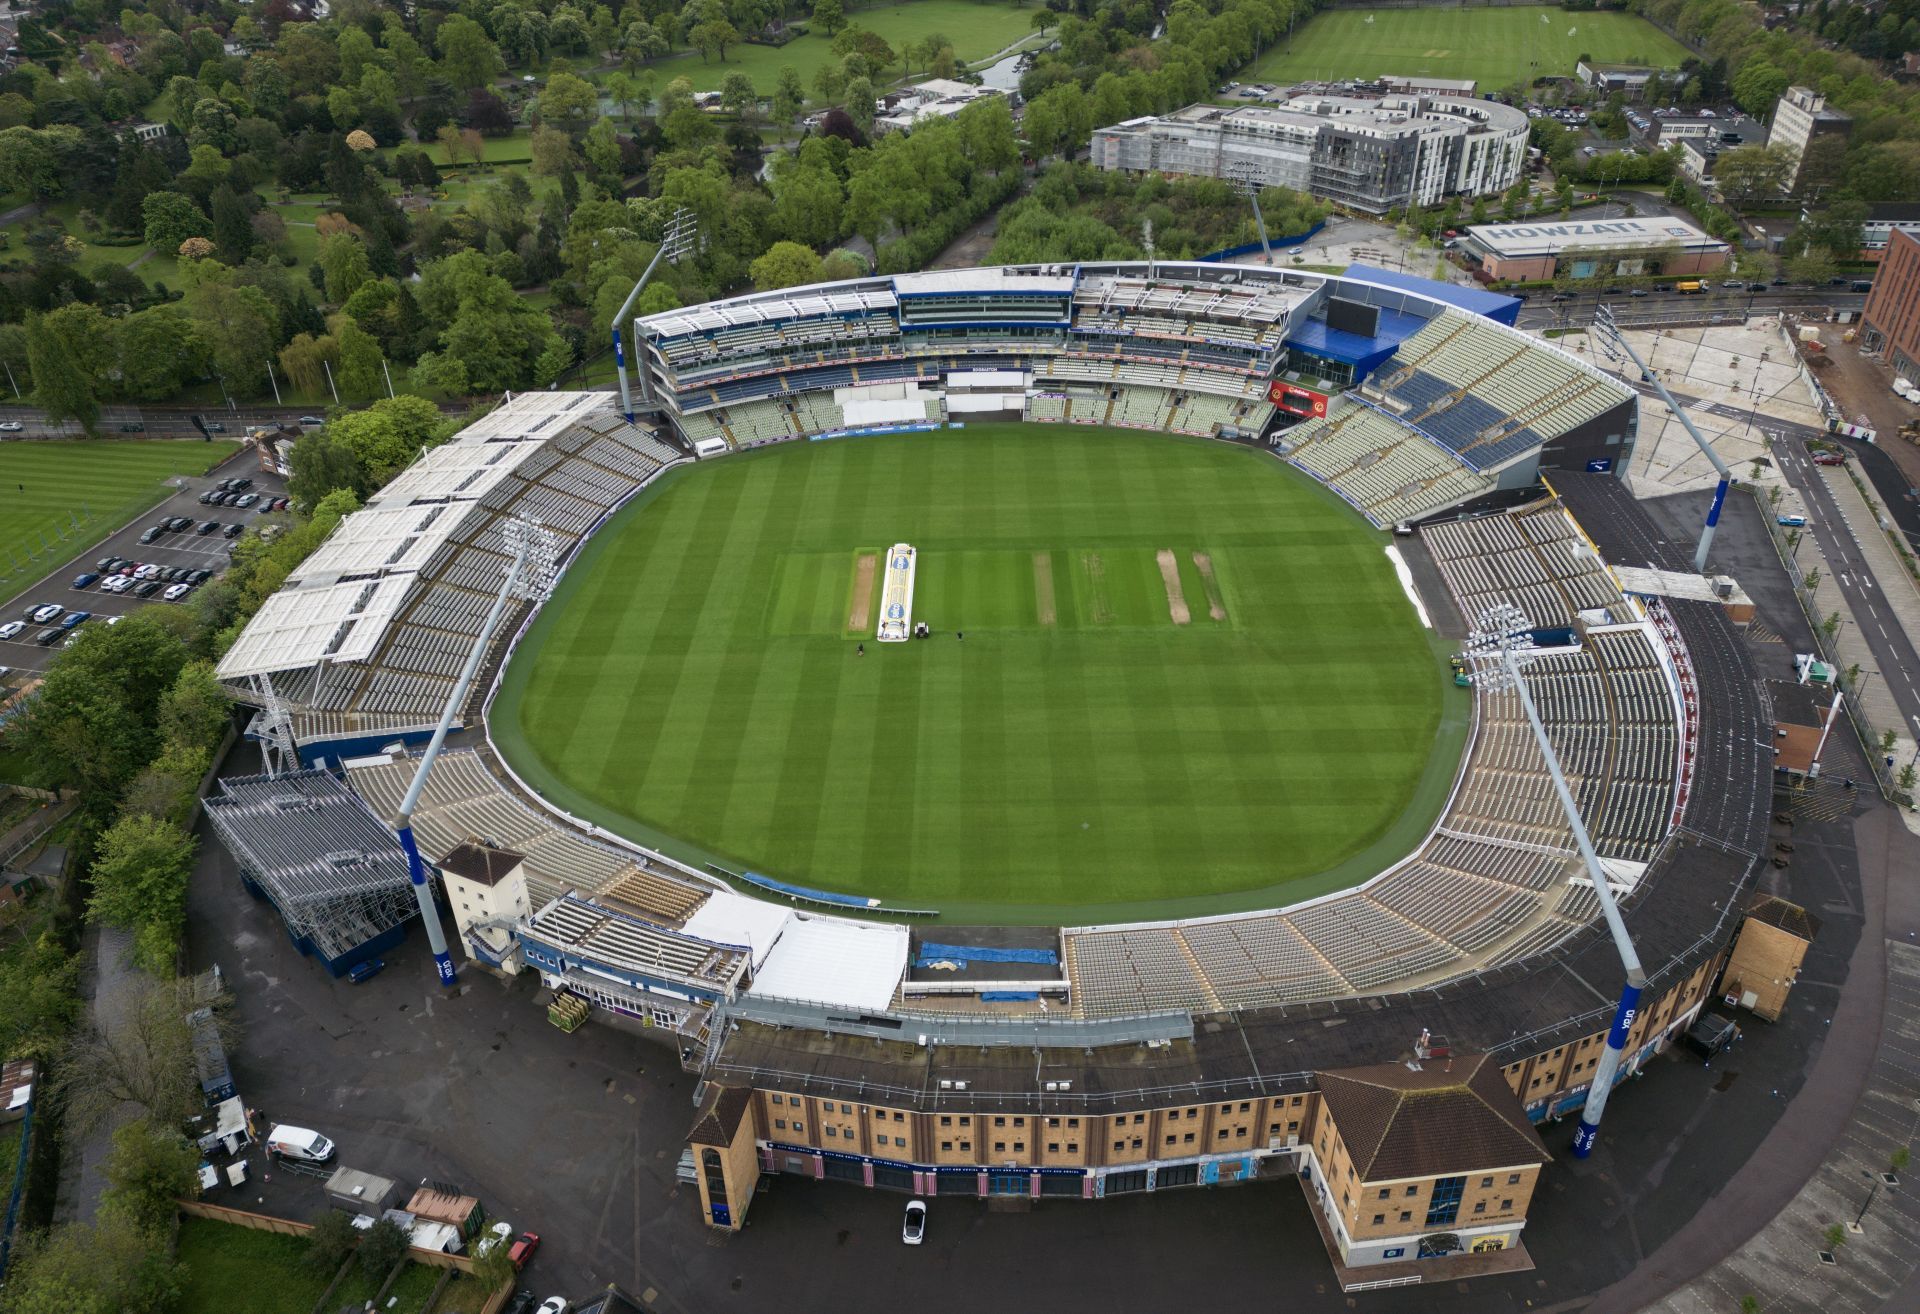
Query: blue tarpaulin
x,y
987,996
983,954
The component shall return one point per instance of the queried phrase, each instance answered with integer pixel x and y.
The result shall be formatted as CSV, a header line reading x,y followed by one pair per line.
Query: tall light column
x,y
1498,649
675,242
530,577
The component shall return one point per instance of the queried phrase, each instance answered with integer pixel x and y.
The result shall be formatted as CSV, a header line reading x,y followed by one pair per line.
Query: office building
x,y
1625,248
1892,314
1801,115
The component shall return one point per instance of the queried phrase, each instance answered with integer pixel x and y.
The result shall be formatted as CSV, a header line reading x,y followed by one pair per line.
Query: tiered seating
x,y
465,802
757,423
817,412
1046,407
1258,960
1119,972
1387,470
1140,408
1368,945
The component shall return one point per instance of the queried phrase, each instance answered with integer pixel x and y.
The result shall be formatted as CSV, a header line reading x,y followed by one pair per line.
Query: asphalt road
x,y
154,421
186,548
1891,646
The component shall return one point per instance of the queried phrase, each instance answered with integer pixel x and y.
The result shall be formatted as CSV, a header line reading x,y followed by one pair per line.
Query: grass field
x,y
1495,47
976,30
45,487
1188,675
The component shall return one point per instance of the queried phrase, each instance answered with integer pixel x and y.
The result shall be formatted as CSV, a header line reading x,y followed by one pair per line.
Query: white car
x,y
147,571
116,584
115,620
914,1229
41,615
11,628
499,1233
10,426
553,1305
175,592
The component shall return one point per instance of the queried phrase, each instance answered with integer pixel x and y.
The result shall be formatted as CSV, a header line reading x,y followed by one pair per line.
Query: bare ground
x,y
860,614
1216,604
1176,596
1043,587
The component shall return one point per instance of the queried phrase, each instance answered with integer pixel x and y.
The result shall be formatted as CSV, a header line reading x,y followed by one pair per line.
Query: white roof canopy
x,y
829,961
459,471
383,539
298,627
729,918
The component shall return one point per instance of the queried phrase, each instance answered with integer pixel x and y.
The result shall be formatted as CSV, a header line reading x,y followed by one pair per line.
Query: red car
x,y
1830,458
523,1248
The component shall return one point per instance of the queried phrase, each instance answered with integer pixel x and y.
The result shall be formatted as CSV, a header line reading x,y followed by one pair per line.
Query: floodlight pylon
x,y
1498,650
1615,345
1244,175
530,577
677,240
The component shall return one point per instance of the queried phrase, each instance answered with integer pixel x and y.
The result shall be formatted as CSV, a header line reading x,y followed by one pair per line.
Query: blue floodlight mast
x,y
676,240
529,577
1498,646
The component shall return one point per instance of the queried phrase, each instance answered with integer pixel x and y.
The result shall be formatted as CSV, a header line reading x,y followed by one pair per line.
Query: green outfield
x,y
59,497
1495,47
1189,680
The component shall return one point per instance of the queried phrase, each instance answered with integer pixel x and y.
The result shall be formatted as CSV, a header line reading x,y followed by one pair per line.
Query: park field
x,y
1189,680
57,497
1495,47
976,30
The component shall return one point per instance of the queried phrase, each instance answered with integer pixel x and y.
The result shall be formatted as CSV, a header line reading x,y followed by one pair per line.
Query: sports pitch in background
x,y
1495,47
1186,672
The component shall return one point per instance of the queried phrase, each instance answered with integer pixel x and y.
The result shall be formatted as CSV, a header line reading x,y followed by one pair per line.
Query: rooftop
x,y
1540,239
1451,1116
481,865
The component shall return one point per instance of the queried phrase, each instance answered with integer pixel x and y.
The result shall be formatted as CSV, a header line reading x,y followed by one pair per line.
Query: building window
x,y
1073,1123
1293,1125
1413,1190
778,1100
1244,1106
1053,1147
999,1147
779,1124
1136,1142
1019,1122
832,1132
799,1126
966,1147
1406,1216
1485,1182
1170,1138
1189,1138
1506,1206
899,1117
1073,1147
1119,1146
1385,1192
1221,1135
1378,1219
999,1122
1019,1147
1479,1206
1444,1205
846,1108
945,1121
1273,1129
1053,1122
946,1146
1513,1179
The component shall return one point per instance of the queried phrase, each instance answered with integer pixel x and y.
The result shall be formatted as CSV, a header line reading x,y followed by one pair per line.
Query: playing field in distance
x,y
1495,47
1186,672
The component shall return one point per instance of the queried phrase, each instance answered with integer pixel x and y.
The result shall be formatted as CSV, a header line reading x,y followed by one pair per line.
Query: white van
x,y
299,1143
710,447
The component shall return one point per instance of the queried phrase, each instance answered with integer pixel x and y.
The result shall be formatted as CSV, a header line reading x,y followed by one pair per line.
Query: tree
x,y
830,16
61,386
1749,171
93,724
468,55
171,218
737,95
789,96
860,105
331,1240
140,876
196,708
552,152
568,100
143,1058
38,979
713,37
387,435
381,1247
232,227
239,326
107,1267
147,1170
786,264
321,463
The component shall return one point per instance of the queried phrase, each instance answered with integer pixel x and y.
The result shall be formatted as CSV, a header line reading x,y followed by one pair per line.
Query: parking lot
x,y
185,549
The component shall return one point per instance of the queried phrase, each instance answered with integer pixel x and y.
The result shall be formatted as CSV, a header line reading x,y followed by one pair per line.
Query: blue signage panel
x,y
722,1216
1600,465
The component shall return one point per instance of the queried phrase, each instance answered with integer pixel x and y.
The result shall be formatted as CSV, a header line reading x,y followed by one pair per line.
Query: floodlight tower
x,y
1614,344
1245,176
676,240
1498,648
274,728
529,577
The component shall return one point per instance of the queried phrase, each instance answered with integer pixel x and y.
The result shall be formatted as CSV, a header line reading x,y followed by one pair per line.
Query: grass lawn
x,y
232,1268
976,30
464,1295
697,676
103,484
1496,47
410,1290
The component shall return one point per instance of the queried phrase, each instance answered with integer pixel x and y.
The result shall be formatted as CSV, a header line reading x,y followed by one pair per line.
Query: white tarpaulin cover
x,y
834,962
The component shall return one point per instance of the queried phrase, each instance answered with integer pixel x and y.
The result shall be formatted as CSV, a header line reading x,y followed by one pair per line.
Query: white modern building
x,y
936,98
1800,116
1370,153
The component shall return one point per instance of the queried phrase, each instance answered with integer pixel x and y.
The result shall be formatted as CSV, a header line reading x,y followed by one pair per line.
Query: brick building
x,y
1892,314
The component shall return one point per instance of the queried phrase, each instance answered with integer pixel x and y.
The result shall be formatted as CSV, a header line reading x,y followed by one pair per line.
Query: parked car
x,y
46,613
235,529
366,970
74,618
522,1302
10,426
116,584
206,498
175,592
1636,292
208,527
553,1305
177,523
50,636
246,500
292,1142
86,580
107,565
311,419
153,532
147,571
1829,458
523,1247
913,1230
241,483
146,588
1792,522
200,576
214,426
11,628
135,427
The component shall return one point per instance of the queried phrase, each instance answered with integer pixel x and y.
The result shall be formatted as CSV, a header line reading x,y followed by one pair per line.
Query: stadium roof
x,y
990,279
1189,289
382,539
1517,241
1493,305
828,961
533,417
849,298
458,471
730,918
298,627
